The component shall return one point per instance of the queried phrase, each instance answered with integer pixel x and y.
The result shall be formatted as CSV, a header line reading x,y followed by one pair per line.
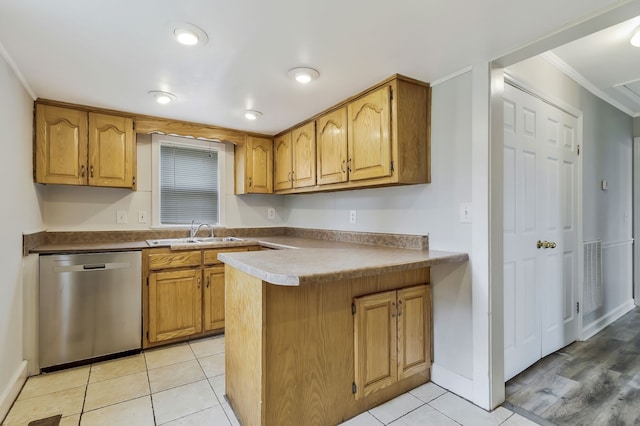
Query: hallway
x,y
596,382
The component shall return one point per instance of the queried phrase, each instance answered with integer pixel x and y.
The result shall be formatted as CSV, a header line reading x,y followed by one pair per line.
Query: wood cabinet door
x,y
259,157
111,151
214,298
414,335
175,304
375,332
282,163
304,155
61,145
331,140
369,129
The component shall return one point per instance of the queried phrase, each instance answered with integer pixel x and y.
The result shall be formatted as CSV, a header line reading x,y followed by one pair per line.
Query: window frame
x,y
158,140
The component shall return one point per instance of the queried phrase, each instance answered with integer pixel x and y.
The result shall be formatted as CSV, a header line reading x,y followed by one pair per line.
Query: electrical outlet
x,y
352,217
465,213
142,216
121,216
271,213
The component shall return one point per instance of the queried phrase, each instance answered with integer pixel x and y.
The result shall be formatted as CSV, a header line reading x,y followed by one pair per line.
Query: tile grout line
x,y
210,385
153,411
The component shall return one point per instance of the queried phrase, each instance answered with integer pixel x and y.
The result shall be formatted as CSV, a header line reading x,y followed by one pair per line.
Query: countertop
x,y
307,256
302,260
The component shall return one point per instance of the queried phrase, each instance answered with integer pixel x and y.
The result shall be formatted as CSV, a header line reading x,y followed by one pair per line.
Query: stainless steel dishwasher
x,y
90,306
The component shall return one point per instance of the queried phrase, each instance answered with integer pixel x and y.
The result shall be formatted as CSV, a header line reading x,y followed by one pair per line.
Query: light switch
x,y
465,212
121,216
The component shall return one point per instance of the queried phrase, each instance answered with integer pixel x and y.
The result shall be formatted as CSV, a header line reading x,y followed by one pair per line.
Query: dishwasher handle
x,y
88,267
94,266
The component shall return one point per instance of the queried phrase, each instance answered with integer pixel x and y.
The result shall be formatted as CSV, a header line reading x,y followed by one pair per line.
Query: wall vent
x,y
593,291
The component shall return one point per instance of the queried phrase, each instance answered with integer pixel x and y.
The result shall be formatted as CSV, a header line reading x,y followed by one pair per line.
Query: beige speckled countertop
x,y
305,260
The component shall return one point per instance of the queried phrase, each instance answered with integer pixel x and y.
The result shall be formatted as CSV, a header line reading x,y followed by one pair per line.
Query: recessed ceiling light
x,y
187,34
303,75
251,114
162,97
635,39
186,37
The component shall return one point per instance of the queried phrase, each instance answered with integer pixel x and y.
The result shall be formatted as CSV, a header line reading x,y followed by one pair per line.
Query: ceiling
x,y
109,54
607,64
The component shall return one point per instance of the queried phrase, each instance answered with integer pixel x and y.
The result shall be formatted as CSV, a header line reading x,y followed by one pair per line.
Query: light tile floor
x,y
184,385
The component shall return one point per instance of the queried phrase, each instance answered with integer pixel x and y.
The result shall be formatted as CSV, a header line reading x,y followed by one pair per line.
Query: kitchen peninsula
x,y
326,330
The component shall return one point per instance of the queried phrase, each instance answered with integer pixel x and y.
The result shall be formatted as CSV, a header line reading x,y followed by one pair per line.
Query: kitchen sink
x,y
194,241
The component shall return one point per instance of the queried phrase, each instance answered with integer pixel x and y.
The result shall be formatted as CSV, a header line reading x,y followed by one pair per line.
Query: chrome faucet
x,y
193,231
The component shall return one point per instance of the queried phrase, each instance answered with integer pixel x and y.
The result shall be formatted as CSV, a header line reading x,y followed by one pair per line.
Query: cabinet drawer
x,y
165,258
211,256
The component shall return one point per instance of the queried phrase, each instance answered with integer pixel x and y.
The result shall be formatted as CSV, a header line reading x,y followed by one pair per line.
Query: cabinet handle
x,y
91,171
198,283
207,282
394,311
289,178
134,181
400,308
342,166
250,181
349,165
82,170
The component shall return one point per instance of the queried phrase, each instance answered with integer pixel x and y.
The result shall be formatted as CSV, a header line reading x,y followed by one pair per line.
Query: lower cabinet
x,y
214,298
392,337
175,304
184,294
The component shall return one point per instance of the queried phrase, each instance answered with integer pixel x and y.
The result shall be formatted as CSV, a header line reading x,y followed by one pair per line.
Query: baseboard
x,y
453,382
596,326
10,393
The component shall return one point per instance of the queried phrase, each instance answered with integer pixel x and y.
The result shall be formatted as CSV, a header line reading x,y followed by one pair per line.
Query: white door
x,y
540,237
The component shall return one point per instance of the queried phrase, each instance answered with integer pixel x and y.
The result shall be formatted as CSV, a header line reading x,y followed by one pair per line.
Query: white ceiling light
x,y
162,97
303,75
187,34
635,39
251,114
186,37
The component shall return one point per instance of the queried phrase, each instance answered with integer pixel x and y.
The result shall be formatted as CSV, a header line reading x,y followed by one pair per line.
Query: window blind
x,y
188,185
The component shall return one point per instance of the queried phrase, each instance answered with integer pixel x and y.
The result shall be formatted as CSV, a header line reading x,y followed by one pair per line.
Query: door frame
x,y
636,219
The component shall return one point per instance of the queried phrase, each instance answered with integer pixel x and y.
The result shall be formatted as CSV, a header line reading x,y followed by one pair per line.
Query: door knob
x,y
545,244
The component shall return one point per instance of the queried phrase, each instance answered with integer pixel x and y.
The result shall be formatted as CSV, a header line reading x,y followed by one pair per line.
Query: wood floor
x,y
596,382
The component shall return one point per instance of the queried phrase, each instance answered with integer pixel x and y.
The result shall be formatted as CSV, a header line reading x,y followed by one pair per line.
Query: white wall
x,y
422,209
20,212
607,154
72,208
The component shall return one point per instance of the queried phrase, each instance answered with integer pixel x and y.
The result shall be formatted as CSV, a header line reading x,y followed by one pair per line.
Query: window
x,y
188,182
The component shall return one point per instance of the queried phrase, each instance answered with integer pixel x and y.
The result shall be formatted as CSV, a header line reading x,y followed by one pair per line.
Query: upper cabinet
x,y
303,140
295,158
369,129
283,162
112,153
75,147
331,139
254,166
378,138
